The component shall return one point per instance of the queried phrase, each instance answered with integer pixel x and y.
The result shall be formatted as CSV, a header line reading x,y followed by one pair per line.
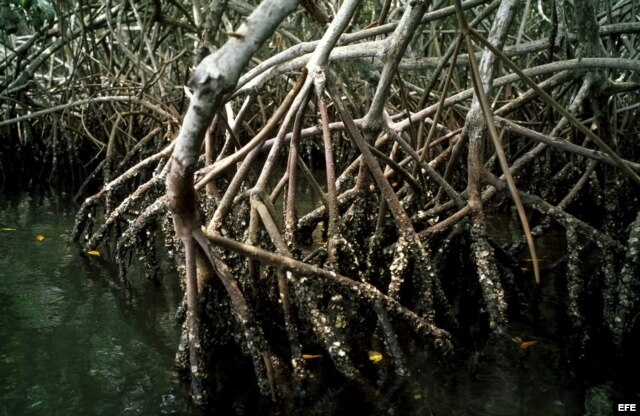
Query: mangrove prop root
x,y
627,287
401,209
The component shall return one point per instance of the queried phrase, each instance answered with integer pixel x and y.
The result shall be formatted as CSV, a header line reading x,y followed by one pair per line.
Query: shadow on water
x,y
523,373
72,341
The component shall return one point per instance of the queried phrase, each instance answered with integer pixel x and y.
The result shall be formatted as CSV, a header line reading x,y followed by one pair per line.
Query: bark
x,y
215,76
475,125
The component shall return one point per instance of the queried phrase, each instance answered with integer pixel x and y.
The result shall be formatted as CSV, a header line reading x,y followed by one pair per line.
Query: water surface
x,y
72,341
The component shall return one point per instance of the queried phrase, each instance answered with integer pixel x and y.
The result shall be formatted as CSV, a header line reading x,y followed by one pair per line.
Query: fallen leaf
x,y
93,253
375,356
526,344
39,237
310,356
8,229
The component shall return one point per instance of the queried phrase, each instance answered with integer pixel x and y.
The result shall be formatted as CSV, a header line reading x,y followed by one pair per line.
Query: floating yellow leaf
x,y
8,229
310,356
375,356
526,344
39,237
93,253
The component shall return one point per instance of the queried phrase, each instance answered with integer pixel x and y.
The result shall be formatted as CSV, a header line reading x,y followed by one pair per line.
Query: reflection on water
x,y
506,229
71,341
501,380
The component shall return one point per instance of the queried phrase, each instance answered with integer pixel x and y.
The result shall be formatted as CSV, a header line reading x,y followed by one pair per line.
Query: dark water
x,y
72,342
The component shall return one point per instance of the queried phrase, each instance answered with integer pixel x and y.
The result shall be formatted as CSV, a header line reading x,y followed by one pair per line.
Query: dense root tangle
x,y
331,189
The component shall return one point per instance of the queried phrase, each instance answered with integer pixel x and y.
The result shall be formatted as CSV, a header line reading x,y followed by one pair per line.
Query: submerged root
x,y
488,278
627,288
